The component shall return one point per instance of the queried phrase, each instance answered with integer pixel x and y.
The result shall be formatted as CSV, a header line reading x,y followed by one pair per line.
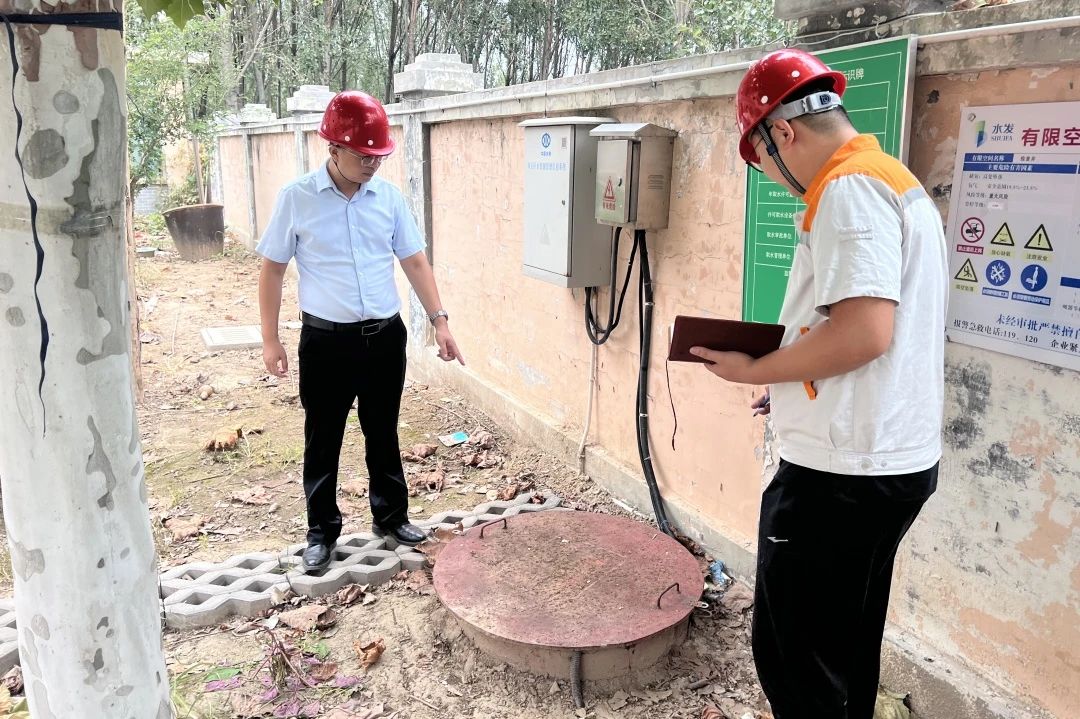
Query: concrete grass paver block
x,y
215,609
374,567
412,561
201,594
9,656
190,571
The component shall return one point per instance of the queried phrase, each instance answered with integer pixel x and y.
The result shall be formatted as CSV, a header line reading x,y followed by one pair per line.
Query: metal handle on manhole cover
x,y
488,524
674,586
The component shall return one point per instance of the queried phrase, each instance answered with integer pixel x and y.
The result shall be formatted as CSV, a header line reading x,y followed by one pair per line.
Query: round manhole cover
x,y
534,589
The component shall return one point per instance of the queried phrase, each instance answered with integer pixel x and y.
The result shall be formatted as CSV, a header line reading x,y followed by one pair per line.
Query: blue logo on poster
x,y
998,273
1033,278
545,140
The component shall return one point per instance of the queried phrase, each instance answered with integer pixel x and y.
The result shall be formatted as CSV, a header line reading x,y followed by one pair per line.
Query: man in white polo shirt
x,y
857,389
345,227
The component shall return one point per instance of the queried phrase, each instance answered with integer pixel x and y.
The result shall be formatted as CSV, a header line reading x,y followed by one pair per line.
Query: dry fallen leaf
x,y
256,496
419,581
738,598
323,672
512,490
711,712
306,619
434,481
184,527
423,451
13,680
444,534
353,593
355,487
431,548
483,440
370,653
225,439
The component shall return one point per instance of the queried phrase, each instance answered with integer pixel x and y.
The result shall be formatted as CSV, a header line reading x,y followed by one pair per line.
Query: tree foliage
x,y
263,50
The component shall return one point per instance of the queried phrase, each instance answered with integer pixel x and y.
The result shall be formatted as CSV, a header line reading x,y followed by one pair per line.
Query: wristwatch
x,y
437,314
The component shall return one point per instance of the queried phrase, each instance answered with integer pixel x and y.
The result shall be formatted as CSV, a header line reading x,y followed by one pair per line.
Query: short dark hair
x,y
823,122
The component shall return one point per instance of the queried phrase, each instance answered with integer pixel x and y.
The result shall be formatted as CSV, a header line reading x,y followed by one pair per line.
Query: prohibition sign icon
x,y
972,230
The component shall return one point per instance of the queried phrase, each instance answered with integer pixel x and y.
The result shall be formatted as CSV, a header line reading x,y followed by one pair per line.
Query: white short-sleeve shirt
x,y
869,230
344,247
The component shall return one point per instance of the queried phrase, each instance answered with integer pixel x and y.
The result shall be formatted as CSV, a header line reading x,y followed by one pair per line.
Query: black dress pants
x,y
826,546
336,367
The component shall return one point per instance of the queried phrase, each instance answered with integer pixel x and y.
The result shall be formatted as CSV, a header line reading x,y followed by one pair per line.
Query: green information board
x,y
878,100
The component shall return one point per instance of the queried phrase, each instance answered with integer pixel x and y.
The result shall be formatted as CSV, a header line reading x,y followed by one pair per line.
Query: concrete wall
x,y
991,571
234,183
987,586
529,337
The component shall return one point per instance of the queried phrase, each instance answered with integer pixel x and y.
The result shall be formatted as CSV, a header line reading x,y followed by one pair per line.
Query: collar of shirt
x,y
323,181
857,144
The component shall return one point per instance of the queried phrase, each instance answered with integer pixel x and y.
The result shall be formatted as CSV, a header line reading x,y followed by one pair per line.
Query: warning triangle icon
x,y
967,272
1040,241
609,191
1003,236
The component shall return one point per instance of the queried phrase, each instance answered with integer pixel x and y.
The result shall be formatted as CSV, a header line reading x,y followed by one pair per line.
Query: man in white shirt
x,y
856,390
345,227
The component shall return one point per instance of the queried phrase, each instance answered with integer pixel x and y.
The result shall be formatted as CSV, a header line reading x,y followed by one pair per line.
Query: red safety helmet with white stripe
x,y
774,77
357,121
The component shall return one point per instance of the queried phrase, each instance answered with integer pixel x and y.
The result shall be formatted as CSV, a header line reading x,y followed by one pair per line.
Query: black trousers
x,y
826,545
337,367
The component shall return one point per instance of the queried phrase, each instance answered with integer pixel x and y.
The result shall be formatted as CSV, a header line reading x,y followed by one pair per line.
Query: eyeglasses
x,y
366,160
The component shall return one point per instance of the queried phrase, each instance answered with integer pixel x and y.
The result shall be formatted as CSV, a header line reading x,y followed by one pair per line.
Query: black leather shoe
x,y
406,533
317,557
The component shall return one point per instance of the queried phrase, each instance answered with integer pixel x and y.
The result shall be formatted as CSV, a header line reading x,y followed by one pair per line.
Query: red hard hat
x,y
769,81
357,121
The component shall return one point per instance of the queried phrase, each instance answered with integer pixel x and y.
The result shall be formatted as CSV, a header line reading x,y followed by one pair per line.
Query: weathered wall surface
x,y
991,571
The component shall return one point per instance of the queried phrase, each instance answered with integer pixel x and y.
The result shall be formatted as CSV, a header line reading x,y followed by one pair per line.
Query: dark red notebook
x,y
756,339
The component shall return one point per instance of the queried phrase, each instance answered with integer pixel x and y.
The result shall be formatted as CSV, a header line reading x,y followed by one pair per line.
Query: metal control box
x,y
564,244
633,178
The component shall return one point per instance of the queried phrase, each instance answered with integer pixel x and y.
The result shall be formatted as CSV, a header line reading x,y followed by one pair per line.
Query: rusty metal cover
x,y
568,580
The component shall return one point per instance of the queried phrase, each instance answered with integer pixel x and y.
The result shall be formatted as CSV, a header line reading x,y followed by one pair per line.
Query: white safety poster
x,y
1014,232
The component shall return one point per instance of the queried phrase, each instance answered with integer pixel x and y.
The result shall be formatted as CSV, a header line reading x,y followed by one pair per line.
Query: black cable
x,y
576,689
645,305
598,335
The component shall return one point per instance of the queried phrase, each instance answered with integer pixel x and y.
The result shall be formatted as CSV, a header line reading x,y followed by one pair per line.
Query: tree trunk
x,y
75,502
414,6
391,52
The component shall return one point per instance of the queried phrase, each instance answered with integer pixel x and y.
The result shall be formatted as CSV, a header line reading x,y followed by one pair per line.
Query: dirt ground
x,y
207,506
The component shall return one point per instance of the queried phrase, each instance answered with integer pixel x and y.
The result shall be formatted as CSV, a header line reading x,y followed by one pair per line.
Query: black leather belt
x,y
366,327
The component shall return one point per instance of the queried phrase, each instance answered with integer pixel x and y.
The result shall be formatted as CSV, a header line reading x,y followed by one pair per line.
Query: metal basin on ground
x,y
535,589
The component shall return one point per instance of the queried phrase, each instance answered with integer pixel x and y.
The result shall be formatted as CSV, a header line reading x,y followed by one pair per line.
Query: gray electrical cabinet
x,y
564,244
633,178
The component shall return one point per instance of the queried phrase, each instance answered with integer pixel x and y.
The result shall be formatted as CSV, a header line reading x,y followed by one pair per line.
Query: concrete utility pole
x,y
74,498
